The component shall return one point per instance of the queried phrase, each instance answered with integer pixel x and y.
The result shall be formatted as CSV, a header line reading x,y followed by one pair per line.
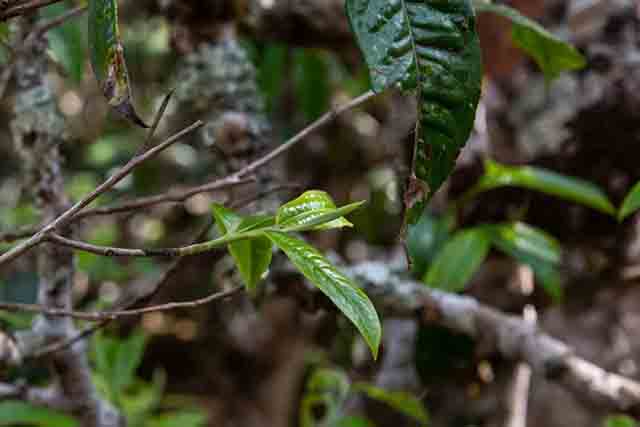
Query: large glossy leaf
x,y
107,58
432,48
66,41
543,180
631,202
460,258
252,256
552,54
349,299
402,402
15,413
313,210
532,247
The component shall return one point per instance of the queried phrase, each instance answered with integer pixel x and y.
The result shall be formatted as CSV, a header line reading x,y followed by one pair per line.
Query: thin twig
x,y
97,316
141,300
168,197
23,9
236,177
233,179
326,118
65,218
42,28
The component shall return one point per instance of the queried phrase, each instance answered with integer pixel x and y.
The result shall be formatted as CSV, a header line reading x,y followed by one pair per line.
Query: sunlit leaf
x,y
349,299
430,47
552,55
107,58
314,210
458,260
631,202
565,187
402,402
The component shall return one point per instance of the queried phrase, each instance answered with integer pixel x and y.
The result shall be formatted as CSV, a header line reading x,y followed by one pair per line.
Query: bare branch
x,y
236,178
141,300
42,28
96,316
66,217
511,336
25,8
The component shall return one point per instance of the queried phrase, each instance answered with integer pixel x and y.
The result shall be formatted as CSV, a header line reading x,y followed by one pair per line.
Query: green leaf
x,y
252,256
314,210
349,299
565,187
332,381
461,256
532,247
66,41
430,47
127,360
311,80
13,413
107,58
117,361
186,418
351,421
227,220
425,239
402,402
552,55
620,421
631,202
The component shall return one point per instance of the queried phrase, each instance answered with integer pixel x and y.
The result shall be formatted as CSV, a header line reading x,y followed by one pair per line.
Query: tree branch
x,y
511,336
64,219
97,316
236,178
25,8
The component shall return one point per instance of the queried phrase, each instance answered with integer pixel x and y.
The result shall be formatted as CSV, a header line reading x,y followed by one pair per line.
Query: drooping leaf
x,y
66,41
402,402
552,54
565,187
15,413
349,299
631,202
456,263
430,47
252,256
313,210
532,247
107,58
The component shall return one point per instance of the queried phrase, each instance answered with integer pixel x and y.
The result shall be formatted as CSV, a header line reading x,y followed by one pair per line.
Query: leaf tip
x,y
127,110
